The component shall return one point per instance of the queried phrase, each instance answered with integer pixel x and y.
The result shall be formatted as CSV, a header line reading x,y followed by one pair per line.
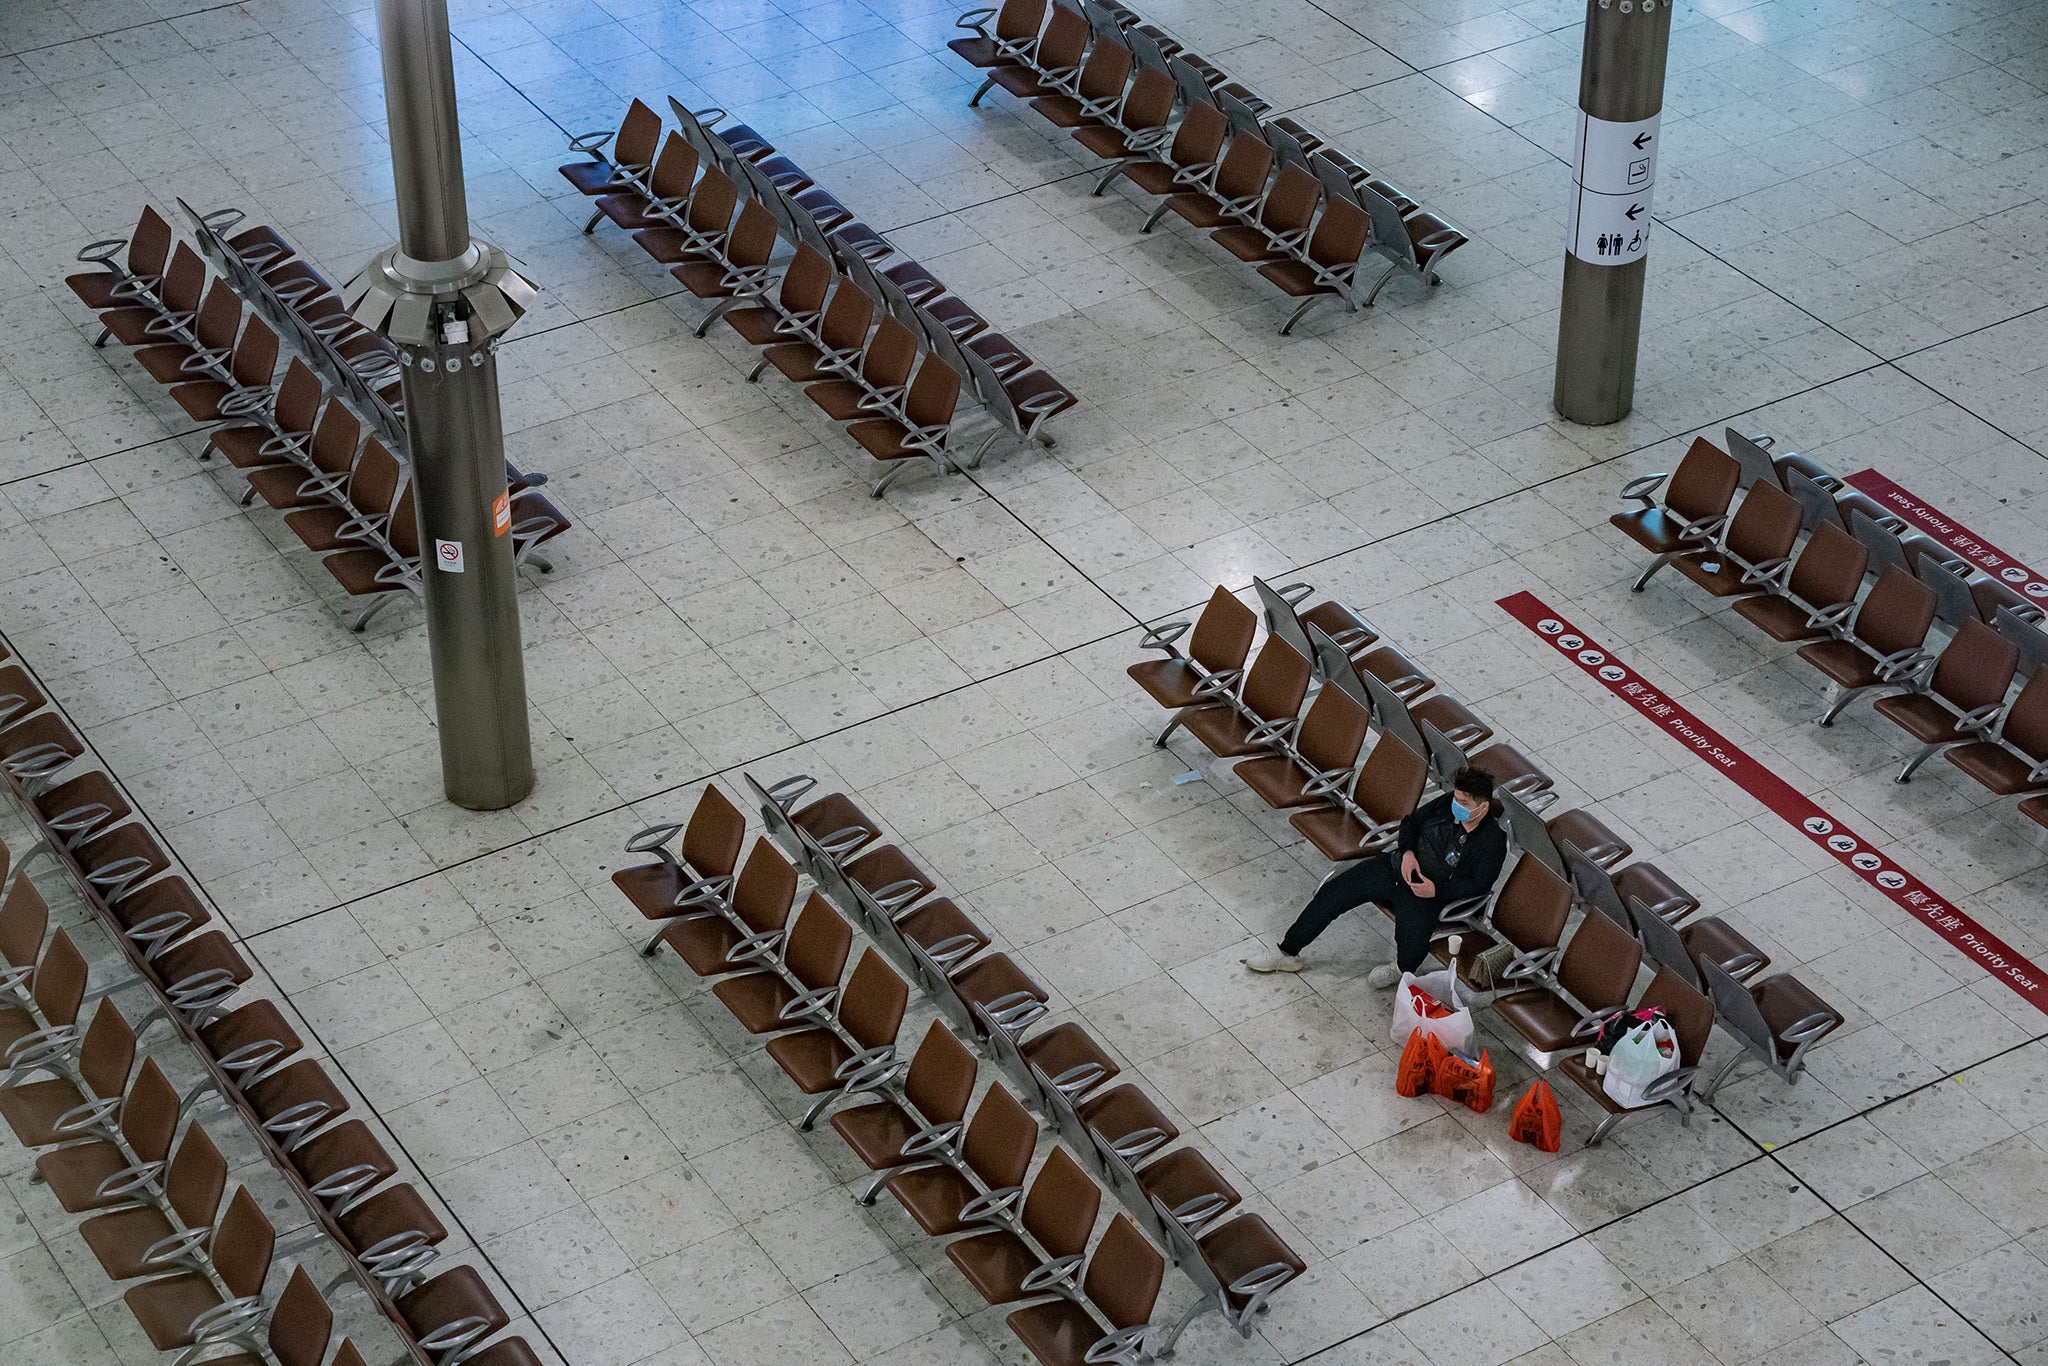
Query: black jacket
x,y
1461,863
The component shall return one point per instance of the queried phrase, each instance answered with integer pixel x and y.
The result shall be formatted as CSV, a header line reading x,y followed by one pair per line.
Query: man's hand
x,y
1410,869
1423,886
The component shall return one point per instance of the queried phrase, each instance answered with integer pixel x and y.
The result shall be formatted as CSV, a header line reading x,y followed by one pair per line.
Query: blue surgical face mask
x,y
1460,811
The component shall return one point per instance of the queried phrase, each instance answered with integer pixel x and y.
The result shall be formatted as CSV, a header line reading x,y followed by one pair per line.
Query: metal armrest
x,y
589,142
650,839
860,1062
1139,1142
1192,1214
810,1005
754,946
1900,663
785,793
1124,1347
938,1138
1834,619
102,252
976,20
1808,1029
898,894
1054,1277
1671,1086
1268,732
1218,683
710,890
1536,966
991,1207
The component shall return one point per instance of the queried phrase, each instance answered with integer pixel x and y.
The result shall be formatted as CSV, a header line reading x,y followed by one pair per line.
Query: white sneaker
x,y
1383,976
1273,960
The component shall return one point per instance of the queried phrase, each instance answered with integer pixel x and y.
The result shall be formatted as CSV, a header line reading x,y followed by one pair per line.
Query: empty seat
x,y
801,977
901,1129
1883,645
140,1239
1822,587
95,1175
1960,699
43,1029
452,1312
1283,223
1751,550
171,1309
1214,663
1098,91
632,150
1597,970
300,1328
759,906
1318,759
1694,510
1047,66
1329,268
951,1193
1057,1216
854,1051
696,875
47,1109
1121,1286
1236,1267
1777,1021
1016,26
1254,720
2016,759
1368,821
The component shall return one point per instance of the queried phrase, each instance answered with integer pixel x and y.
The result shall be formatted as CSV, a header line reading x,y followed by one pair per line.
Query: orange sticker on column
x,y
501,514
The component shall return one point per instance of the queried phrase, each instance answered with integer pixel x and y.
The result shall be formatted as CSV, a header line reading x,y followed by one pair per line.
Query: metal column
x,y
444,300
1614,171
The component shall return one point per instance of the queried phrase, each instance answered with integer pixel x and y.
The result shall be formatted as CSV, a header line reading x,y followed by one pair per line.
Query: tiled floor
x,y
1850,256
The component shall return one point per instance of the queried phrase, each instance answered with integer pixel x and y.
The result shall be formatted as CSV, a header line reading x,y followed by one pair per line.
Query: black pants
x,y
1373,880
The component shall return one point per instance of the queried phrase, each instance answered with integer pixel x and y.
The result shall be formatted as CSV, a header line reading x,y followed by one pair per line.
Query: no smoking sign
x,y
448,555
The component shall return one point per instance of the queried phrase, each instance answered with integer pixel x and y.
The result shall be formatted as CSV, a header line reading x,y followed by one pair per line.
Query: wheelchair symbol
x,y
1818,825
1550,626
1841,844
1891,879
1614,673
1867,861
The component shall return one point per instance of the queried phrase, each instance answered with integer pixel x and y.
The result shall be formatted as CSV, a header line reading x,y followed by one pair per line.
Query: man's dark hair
x,y
1474,783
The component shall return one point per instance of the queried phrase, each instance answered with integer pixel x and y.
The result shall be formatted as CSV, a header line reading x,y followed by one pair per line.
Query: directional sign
x,y
1613,174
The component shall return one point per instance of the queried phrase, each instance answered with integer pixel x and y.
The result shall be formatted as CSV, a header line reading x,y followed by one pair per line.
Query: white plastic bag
x,y
1453,1031
1645,1053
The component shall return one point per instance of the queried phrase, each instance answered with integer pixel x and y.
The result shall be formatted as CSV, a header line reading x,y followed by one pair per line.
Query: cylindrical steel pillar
x,y
444,299
1607,233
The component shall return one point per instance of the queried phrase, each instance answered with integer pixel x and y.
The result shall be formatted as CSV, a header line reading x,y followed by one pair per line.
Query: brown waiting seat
x,y
884,876
54,1109
29,732
1236,1266
2017,759
152,313
1185,1185
1329,268
120,859
1590,835
1692,1019
664,190
707,222
386,1231
1214,663
1823,585
213,332
1016,30
837,352
1752,550
829,827
295,1100
992,991
1319,758
1253,721
1597,970
362,507
1138,126
171,1309
923,430
328,457
952,1192
1403,677
138,271
341,1162
1777,1020
140,1239
898,1130
1528,914
1695,506
1960,700
24,920
883,376
47,1030
452,1311
1884,644
1453,720
761,899
1096,94
1389,785
799,301
942,932
513,1351
1196,145
1681,948
1284,218
854,1052
633,143
97,1175
698,874
1122,1286
1057,1216
294,412
251,1039
798,983
76,809
1231,194
300,1328
740,270
1053,61
1656,889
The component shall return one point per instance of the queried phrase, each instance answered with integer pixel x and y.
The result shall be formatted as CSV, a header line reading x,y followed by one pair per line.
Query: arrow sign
x,y
1642,140
1635,211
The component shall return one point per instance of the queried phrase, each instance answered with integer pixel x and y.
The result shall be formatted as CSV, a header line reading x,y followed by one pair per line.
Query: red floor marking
x,y
1786,802
1987,558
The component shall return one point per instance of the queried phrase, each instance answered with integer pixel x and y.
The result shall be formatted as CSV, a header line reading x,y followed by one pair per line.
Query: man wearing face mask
x,y
1450,849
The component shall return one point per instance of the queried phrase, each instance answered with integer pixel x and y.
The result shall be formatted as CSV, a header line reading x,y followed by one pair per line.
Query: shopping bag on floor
x,y
1536,1120
1417,1071
1457,1077
1429,1002
1647,1052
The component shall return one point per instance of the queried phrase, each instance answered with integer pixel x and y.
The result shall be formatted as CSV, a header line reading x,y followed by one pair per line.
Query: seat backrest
x,y
1830,569
1391,782
1200,135
1445,756
1953,602
1976,668
334,443
373,484
403,527
890,355
712,840
1149,103
298,397
871,1008
818,944
149,1117
1532,906
1124,1275
940,1081
151,244
1736,1010
1064,40
1886,550
934,394
1897,614
1245,167
1059,1209
1291,204
1751,458
712,202
1662,942
184,281
2028,635
242,1246
195,1179
1690,1012
60,981
1277,681
1816,505
19,694
633,144
845,324
1704,483
255,354
1340,236
220,317
1389,233
2025,727
753,237
1223,633
807,281
106,1055
999,1139
1765,527
1333,731
675,170
765,889
1599,965
1108,67
1019,18
303,1322
1531,835
24,920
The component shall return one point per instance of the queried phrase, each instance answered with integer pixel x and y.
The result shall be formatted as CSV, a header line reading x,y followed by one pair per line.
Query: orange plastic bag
x,y
1417,1071
1469,1084
1536,1119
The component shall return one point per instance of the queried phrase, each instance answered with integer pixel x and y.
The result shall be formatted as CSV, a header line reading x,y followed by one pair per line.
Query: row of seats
x,y
1269,190
884,348
1861,601
110,1127
297,440
953,1175
1349,800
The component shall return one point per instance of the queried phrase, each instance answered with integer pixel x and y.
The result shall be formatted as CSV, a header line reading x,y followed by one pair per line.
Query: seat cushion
x,y
705,279
1246,243
1785,1001
1061,111
120,1237
811,1058
1779,618
1198,209
1994,766
1171,682
1153,177
1841,662
756,1000
838,399
1716,940
667,245
629,209
1105,142
1244,1245
1224,730
755,325
1294,278
702,942
165,1308
652,888
2035,809
33,1109
1278,780
1716,573
885,439
1333,832
981,52
1542,1017
589,177
1592,1083
75,1174
1019,81
320,528
1057,1332
995,1264
1652,528
1920,716
934,1197
876,1133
